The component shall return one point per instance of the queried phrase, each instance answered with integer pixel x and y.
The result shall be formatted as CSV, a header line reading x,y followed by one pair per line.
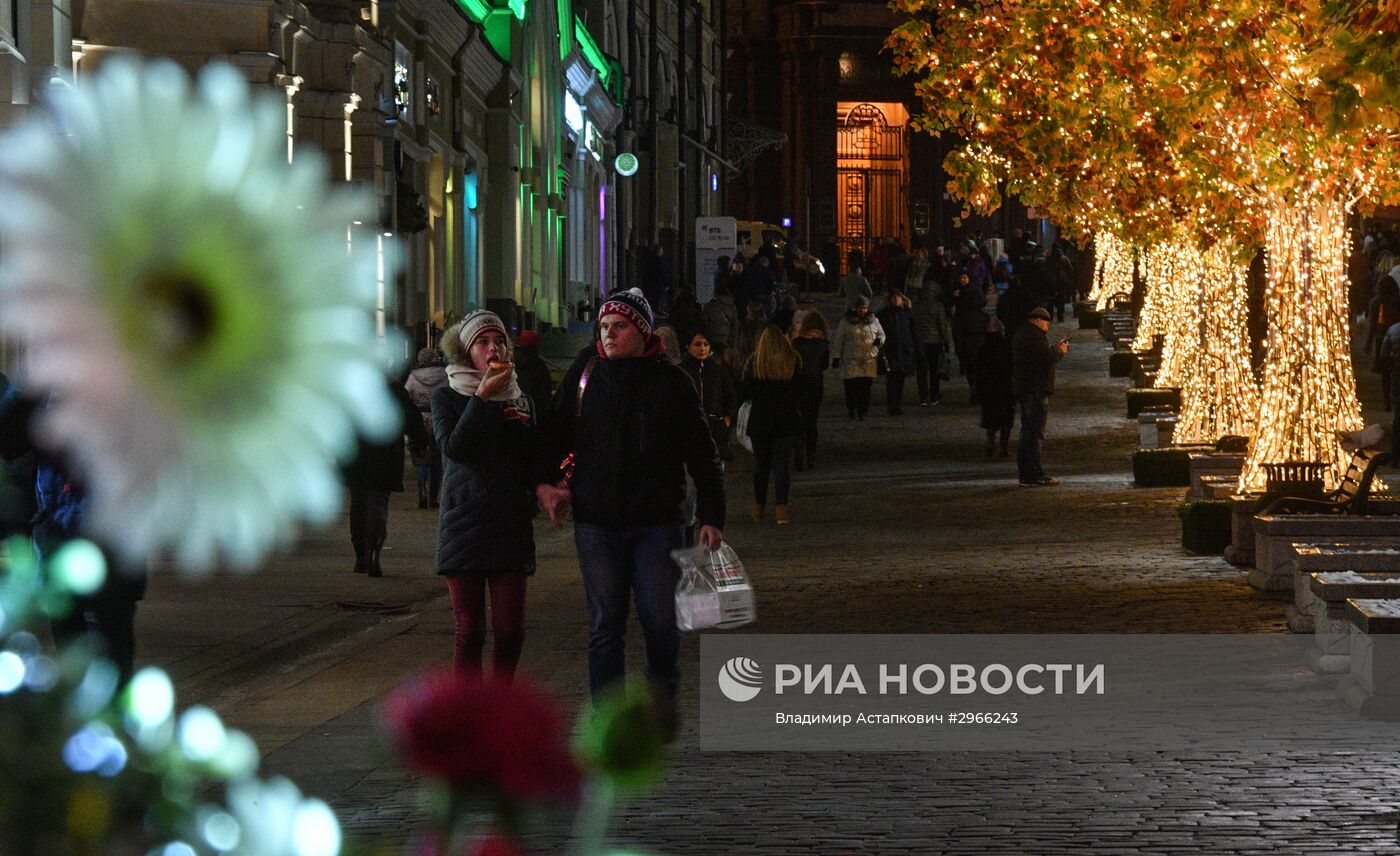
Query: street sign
x,y
625,164
714,237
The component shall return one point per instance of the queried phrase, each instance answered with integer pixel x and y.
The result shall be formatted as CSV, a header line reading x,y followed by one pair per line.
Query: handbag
x,y
741,426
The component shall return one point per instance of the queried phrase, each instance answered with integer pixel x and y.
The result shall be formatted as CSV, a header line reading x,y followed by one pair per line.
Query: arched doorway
x,y
872,175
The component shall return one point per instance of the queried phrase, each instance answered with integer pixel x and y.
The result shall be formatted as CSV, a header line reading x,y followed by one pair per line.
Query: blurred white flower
x,y
189,300
274,820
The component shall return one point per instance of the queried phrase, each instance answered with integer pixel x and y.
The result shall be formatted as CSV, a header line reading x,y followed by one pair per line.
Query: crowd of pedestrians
x,y
634,440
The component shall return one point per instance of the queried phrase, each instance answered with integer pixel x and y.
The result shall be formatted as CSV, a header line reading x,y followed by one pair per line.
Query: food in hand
x,y
499,365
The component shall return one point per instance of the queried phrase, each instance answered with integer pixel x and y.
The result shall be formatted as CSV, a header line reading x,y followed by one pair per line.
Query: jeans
x,y
926,373
1033,413
858,395
369,518
772,455
618,564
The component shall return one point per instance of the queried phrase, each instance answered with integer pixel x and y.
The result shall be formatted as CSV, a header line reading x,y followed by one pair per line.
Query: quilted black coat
x,y
488,495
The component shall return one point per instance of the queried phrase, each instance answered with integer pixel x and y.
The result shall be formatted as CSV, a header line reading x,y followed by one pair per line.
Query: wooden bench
x,y
1352,495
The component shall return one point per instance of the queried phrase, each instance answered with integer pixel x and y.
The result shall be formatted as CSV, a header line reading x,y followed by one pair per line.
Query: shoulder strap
x,y
582,385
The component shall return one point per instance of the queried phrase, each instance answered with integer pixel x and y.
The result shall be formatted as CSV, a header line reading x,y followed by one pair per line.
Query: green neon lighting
x,y
497,27
592,53
517,8
477,10
566,38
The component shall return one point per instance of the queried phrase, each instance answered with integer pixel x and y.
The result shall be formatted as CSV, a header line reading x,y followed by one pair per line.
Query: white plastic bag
x,y
741,426
714,591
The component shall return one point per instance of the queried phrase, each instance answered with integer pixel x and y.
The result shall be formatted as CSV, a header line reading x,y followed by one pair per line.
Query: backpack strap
x,y
582,385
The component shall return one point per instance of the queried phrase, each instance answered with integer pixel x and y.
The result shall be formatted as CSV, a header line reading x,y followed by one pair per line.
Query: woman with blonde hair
x,y
775,423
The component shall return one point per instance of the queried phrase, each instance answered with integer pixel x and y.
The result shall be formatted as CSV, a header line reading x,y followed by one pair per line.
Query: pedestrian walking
x,y
935,337
630,424
719,397
914,276
760,280
775,423
428,374
1033,361
485,423
532,373
969,326
1389,358
857,350
854,285
746,339
106,617
1381,314
685,315
377,472
721,318
900,350
814,348
996,394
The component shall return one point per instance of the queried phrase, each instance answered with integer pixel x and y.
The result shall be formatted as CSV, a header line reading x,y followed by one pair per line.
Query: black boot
x,y
372,563
361,563
422,494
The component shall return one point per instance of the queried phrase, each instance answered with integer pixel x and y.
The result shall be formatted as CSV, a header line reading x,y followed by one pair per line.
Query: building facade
x,y
849,169
486,132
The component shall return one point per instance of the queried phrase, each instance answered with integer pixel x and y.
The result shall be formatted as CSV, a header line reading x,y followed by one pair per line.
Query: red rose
x,y
495,845
483,732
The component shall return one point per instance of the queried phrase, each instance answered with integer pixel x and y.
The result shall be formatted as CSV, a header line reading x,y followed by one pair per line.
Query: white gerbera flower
x,y
275,820
189,300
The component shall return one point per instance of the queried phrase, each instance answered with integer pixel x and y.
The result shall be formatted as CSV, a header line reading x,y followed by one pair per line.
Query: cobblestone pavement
x,y
905,527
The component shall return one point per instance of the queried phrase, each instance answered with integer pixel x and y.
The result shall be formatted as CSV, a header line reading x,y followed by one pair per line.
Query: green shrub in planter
x,y
1205,526
1122,363
1141,399
1162,468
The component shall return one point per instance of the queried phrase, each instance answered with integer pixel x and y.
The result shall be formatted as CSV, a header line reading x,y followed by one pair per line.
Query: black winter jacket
x,y
379,466
640,431
715,383
901,339
1033,361
488,489
774,412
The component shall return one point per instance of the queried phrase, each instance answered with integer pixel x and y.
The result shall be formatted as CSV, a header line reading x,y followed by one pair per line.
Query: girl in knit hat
x,y
488,433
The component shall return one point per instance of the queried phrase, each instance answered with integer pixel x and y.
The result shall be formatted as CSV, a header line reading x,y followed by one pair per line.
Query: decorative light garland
x,y
1113,269
1220,394
1309,392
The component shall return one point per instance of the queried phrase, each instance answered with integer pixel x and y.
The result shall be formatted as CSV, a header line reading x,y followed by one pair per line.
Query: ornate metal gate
x,y
872,184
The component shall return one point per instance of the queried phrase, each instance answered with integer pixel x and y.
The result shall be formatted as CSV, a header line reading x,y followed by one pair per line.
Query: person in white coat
x,y
856,351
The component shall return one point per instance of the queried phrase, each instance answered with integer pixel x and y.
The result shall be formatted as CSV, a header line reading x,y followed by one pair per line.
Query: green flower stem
x,y
594,817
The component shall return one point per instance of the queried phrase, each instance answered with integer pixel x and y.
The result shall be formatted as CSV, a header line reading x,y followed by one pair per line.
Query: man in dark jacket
x,y
533,373
901,347
631,420
1033,377
108,615
376,472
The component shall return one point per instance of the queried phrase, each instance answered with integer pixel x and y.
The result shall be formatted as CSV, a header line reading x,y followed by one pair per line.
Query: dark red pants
x,y
507,620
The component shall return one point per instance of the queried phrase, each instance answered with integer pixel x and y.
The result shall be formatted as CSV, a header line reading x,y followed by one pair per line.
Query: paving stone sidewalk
x,y
904,527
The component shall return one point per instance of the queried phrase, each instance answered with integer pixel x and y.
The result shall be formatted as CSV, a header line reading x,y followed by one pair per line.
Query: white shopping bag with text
x,y
714,591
